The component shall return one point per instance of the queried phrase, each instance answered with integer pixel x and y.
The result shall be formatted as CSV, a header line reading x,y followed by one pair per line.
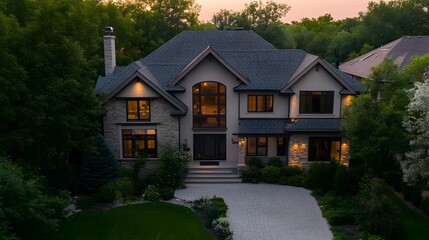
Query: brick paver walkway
x,y
265,211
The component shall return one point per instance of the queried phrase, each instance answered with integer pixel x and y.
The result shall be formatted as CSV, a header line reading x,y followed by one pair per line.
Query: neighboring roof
x,y
314,125
262,126
400,50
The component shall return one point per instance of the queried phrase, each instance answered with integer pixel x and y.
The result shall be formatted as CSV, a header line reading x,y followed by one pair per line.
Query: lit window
x,y
139,142
138,109
209,104
324,149
260,103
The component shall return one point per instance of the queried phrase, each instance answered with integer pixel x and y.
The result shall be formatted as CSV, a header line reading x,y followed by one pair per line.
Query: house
x,y
228,96
400,50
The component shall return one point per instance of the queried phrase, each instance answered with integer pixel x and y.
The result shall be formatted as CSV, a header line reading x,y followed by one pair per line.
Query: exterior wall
x,y
271,151
211,70
280,106
137,89
298,149
316,80
345,101
116,119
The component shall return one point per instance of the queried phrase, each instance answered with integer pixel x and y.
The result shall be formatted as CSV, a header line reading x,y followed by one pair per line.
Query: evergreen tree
x,y
98,168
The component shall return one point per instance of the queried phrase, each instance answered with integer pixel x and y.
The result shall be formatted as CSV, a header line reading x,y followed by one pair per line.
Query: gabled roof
x,y
254,61
350,86
400,50
208,51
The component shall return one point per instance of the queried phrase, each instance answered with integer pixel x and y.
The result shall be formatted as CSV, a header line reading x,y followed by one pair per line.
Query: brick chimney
x,y
109,51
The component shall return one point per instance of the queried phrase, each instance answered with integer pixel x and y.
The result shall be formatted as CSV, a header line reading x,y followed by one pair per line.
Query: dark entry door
x,y
209,147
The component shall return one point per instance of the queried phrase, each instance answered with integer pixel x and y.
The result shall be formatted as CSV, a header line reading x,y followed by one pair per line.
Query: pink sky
x,y
339,9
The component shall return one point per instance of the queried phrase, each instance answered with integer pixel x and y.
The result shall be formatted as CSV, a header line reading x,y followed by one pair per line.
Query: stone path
x,y
265,211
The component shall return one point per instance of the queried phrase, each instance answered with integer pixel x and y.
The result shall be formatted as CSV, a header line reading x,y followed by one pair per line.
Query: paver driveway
x,y
264,211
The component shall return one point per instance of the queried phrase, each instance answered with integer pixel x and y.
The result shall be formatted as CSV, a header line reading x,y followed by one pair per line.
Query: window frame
x,y
281,148
148,100
310,96
265,107
319,140
135,137
258,145
199,119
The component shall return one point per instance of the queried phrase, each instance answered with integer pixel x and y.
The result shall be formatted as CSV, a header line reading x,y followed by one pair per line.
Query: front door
x,y
209,147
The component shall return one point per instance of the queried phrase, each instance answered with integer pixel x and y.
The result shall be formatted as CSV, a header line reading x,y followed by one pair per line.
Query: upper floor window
x,y
260,103
316,102
209,104
138,109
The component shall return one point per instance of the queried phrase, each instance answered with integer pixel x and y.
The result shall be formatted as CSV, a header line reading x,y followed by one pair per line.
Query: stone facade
x,y
298,150
115,119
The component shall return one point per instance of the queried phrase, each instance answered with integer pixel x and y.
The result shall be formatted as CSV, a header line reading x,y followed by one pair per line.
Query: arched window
x,y
209,104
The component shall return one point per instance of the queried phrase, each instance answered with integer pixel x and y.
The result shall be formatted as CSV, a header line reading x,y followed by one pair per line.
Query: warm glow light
x,y
295,146
303,146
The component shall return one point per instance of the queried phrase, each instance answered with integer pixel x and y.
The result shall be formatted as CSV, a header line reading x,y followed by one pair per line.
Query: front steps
x,y
211,174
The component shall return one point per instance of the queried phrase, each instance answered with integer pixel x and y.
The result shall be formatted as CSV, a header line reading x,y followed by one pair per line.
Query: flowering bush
x,y
221,225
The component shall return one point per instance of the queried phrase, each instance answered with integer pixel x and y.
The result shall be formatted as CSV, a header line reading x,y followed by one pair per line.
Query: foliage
x,y
119,189
412,193
249,174
416,123
166,193
337,209
154,220
213,208
151,193
425,205
271,174
377,214
373,120
98,168
346,180
274,161
321,176
173,168
24,203
221,225
255,162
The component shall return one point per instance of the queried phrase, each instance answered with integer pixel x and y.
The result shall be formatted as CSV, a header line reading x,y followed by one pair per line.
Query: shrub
x,y
321,176
166,193
250,174
98,168
221,225
377,215
339,217
394,178
151,193
116,190
289,171
275,161
26,211
214,207
173,168
425,205
271,174
296,180
346,180
255,162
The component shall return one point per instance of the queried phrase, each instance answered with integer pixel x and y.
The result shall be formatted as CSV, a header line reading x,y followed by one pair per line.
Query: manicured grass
x,y
413,225
140,221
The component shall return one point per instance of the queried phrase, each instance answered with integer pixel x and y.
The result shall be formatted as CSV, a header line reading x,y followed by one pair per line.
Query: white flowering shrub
x,y
221,225
417,124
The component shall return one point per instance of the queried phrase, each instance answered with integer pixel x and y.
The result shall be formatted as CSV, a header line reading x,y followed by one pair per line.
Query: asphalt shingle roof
x,y
314,124
401,51
262,126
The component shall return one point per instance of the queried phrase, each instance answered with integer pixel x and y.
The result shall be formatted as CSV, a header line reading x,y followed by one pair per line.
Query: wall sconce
x,y
241,141
295,146
303,146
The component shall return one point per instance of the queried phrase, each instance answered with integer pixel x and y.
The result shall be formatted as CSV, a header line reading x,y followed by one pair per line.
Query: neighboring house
x,y
400,50
227,96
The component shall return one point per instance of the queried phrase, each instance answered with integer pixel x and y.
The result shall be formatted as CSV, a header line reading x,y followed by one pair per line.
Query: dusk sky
x,y
339,9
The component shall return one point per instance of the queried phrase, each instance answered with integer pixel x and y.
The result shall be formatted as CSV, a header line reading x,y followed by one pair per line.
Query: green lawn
x,y
413,225
141,221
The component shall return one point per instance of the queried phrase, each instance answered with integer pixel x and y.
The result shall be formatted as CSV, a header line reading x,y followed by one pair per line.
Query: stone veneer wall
x,y
298,150
167,129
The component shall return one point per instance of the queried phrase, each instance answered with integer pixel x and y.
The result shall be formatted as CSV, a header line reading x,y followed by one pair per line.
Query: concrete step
x,y
210,174
208,181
